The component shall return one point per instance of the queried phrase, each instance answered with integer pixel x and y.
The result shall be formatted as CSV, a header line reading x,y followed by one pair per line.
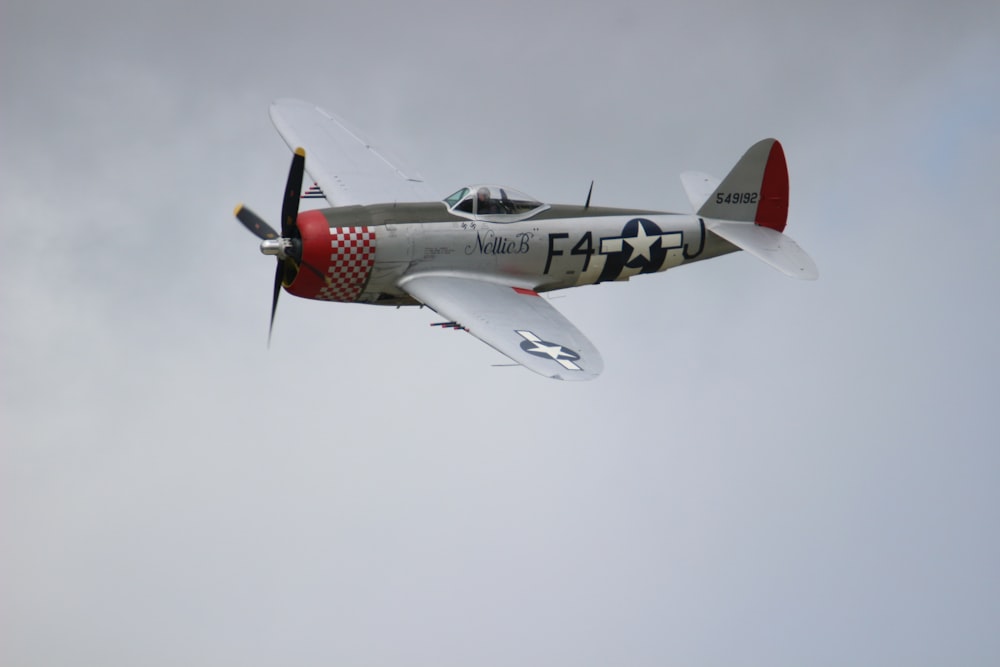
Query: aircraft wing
x,y
516,322
348,167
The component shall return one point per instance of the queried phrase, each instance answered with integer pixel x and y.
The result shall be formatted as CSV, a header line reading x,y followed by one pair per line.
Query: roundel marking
x,y
642,245
560,354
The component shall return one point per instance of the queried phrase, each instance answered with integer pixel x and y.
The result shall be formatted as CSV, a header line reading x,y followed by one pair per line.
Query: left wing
x,y
348,167
516,322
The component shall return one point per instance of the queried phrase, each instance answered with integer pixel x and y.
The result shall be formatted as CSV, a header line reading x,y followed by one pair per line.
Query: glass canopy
x,y
493,203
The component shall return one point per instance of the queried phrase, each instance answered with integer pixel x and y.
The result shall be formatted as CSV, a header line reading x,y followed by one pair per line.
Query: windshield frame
x,y
492,203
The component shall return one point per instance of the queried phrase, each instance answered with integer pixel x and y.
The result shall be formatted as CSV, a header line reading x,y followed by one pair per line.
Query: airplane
x,y
482,256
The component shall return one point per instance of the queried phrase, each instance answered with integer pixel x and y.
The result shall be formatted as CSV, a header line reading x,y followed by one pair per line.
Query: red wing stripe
x,y
526,292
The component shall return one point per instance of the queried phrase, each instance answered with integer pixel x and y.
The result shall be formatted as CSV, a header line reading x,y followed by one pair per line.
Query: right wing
x,y
516,322
348,168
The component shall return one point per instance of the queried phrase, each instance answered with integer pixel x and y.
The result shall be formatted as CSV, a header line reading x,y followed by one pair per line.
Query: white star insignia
x,y
559,354
641,244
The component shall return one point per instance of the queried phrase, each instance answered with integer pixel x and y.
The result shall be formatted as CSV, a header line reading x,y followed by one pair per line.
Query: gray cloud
x,y
768,471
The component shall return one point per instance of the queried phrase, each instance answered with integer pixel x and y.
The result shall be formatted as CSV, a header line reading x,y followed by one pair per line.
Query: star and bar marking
x,y
560,354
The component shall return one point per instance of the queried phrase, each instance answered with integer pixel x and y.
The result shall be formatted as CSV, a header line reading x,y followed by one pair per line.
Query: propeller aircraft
x,y
483,256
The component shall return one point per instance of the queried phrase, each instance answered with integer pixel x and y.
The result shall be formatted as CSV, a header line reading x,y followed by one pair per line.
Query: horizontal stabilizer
x,y
767,245
699,187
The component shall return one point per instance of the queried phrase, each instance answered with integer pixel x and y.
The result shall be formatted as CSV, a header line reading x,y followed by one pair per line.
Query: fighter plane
x,y
483,256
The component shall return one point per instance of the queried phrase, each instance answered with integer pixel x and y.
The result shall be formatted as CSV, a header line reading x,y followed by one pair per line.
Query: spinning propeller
x,y
287,248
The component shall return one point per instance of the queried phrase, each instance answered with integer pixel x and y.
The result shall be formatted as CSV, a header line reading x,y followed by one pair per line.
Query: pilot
x,y
485,205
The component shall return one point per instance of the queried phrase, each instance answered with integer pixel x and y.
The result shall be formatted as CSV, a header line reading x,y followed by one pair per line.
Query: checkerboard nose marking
x,y
352,254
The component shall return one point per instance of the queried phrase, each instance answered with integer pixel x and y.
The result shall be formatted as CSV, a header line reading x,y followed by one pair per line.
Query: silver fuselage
x,y
562,246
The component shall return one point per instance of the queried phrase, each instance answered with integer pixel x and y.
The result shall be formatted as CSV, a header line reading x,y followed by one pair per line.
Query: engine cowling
x,y
342,257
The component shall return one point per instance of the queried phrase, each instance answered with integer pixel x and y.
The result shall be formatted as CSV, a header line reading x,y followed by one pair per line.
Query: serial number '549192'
x,y
735,197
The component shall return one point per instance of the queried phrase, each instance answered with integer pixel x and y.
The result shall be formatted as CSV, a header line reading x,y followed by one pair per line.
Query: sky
x,y
769,471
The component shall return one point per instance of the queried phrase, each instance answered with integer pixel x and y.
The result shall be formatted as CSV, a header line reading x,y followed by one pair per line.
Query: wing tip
x,y
289,102
574,378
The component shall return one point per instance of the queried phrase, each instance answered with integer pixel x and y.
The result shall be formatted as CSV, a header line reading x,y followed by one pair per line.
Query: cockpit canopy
x,y
493,204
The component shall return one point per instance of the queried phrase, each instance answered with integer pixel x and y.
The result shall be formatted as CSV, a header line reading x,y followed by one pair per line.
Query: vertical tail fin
x,y
756,190
749,208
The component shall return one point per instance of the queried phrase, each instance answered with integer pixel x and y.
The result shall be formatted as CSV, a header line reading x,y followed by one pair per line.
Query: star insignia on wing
x,y
563,356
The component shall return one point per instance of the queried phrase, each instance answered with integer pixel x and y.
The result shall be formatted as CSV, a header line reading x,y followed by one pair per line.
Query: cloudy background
x,y
769,472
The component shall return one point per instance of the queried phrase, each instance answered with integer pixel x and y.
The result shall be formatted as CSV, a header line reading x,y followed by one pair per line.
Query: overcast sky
x,y
769,472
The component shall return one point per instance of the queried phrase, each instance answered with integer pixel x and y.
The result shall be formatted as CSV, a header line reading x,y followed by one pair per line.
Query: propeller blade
x,y
303,264
255,223
293,191
278,274
289,248
297,263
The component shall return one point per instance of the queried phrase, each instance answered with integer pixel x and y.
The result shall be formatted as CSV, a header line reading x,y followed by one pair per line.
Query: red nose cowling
x,y
344,255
